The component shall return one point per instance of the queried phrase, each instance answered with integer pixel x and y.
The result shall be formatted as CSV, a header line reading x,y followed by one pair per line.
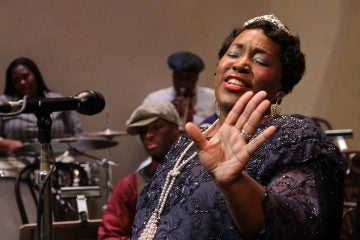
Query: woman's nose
x,y
21,81
242,65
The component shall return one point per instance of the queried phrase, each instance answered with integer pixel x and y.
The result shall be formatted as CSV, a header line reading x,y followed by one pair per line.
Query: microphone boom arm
x,y
23,106
87,102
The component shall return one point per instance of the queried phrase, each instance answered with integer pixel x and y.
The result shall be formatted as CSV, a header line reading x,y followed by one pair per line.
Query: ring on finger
x,y
245,134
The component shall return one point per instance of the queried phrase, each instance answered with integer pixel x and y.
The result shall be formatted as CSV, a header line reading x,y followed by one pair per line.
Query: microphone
x,y
87,103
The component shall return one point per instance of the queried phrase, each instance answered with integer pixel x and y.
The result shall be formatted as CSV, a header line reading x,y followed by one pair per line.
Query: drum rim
x,y
8,174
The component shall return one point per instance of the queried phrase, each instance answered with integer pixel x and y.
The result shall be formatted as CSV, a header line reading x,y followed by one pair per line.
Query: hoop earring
x,y
275,108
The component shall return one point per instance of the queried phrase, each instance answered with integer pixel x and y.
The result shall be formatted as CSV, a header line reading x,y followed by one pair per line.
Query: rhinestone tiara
x,y
271,19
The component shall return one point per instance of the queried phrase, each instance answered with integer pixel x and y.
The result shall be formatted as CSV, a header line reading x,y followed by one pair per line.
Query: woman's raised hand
x,y
226,154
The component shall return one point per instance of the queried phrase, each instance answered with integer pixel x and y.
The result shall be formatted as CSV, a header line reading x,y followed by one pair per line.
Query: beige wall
x,y
119,48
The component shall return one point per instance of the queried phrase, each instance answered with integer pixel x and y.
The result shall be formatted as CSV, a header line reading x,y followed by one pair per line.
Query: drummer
x,y
157,124
23,77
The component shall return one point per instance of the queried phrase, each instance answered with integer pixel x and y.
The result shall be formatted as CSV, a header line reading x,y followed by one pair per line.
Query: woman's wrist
x,y
230,186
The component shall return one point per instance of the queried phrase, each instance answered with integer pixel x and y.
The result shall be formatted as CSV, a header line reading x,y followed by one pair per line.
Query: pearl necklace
x,y
152,224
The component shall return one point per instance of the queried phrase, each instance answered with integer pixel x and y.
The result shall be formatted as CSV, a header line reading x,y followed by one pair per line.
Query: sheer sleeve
x,y
299,202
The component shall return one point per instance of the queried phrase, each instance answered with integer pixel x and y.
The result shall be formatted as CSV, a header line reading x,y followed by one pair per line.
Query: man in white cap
x,y
194,103
157,124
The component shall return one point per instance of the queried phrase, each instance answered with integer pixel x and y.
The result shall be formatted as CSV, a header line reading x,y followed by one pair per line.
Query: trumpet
x,y
182,103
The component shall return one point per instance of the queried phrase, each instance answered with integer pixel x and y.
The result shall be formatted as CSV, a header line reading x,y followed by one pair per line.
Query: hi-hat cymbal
x,y
83,143
34,148
108,133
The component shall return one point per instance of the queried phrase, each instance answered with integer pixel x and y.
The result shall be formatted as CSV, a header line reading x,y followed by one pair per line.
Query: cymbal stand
x,y
106,162
108,179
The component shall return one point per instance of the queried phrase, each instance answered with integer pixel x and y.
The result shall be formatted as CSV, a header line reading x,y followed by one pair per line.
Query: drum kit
x,y
76,144
70,172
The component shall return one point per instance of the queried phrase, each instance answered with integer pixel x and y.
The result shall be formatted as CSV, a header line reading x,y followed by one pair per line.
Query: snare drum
x,y
10,167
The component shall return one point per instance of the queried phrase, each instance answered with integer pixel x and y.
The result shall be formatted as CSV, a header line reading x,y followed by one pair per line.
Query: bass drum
x,y
10,220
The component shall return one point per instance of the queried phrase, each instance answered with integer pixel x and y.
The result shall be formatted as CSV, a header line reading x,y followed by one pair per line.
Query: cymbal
x,y
34,148
108,133
83,143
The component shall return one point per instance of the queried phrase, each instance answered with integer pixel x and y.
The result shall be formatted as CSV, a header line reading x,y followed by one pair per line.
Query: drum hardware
x,y
87,191
108,133
62,145
42,108
71,145
68,148
34,149
93,167
66,157
9,167
83,143
81,193
106,162
7,173
100,161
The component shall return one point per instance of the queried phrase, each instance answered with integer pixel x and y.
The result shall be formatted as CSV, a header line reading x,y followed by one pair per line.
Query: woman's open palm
x,y
226,154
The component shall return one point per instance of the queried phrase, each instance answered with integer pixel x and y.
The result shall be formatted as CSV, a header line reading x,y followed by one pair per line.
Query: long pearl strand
x,y
152,224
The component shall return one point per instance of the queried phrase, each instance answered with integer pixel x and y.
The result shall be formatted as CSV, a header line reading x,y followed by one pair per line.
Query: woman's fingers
x,y
244,109
238,109
255,143
247,112
245,116
250,125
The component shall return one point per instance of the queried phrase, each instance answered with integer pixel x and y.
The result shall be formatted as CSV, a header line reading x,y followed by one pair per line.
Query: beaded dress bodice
x,y
300,169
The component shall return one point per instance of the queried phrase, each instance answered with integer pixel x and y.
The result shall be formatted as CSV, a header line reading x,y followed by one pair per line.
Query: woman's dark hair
x,y
292,58
9,86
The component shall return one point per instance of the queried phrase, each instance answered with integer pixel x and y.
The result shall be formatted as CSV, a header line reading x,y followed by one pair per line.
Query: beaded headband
x,y
271,19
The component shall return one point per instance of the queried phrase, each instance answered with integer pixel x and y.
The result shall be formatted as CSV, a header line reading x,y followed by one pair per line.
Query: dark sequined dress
x,y
303,174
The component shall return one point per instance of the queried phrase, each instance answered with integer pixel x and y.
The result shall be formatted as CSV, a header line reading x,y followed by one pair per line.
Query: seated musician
x,y
157,125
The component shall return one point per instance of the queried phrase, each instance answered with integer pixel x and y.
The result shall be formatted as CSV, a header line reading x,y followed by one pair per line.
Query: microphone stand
x,y
44,216
89,103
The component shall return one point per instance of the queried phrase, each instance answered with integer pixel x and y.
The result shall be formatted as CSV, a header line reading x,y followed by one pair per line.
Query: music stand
x,y
339,136
65,230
